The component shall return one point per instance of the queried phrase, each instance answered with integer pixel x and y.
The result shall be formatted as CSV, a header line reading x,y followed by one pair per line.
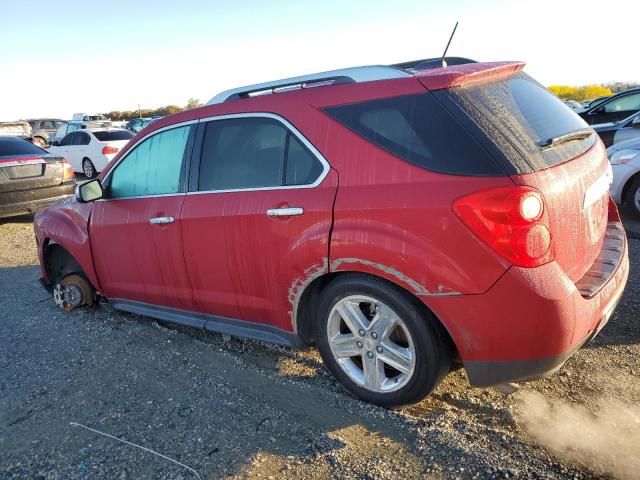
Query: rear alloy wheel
x,y
39,141
72,292
632,197
378,343
88,169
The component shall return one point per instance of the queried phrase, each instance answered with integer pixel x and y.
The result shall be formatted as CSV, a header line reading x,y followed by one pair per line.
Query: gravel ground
x,y
242,409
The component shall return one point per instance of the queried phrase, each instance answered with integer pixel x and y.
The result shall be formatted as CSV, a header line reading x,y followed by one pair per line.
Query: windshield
x,y
113,135
11,146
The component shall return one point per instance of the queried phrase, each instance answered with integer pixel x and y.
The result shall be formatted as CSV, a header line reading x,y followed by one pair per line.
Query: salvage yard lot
x,y
243,409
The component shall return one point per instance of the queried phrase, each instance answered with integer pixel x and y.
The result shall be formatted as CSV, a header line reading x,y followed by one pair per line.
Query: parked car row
x,y
448,240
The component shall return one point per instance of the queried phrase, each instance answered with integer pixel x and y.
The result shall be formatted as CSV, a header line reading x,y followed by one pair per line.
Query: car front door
x,y
135,230
256,221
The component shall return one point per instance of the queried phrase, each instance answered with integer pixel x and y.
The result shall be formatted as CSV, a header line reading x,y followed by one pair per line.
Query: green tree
x,y
193,103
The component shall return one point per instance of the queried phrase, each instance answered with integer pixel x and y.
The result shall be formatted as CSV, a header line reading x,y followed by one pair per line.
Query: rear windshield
x,y
114,135
418,129
18,146
521,116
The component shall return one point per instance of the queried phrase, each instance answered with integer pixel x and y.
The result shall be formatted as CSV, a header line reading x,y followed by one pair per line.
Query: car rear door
x,y
135,230
256,222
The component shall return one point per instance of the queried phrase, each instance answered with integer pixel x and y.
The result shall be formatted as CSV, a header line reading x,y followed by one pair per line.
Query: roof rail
x,y
333,77
429,63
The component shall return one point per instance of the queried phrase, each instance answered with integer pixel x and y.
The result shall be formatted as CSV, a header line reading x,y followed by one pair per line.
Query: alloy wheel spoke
x,y
373,370
352,316
396,356
384,321
344,346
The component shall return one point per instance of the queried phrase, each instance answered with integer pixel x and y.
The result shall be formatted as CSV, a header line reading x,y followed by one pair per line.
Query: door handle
x,y
285,212
161,220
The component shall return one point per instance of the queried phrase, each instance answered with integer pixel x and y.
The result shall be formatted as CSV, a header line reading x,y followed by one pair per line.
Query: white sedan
x,y
89,151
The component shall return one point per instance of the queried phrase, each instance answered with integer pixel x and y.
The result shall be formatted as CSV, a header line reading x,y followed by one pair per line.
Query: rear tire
x,y
632,197
379,343
88,169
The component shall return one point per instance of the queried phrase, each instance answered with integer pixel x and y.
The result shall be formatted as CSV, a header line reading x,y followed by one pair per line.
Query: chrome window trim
x,y
314,151
133,147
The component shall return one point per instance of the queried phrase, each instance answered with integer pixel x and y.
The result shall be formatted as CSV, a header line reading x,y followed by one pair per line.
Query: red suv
x,y
404,219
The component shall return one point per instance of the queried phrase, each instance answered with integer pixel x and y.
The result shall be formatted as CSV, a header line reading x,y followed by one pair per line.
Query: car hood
x,y
631,144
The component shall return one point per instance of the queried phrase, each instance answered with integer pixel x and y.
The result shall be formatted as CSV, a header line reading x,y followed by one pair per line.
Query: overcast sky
x,y
57,58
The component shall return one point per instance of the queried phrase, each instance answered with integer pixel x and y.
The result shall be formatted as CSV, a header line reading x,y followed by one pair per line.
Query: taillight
x,y
512,221
67,171
108,149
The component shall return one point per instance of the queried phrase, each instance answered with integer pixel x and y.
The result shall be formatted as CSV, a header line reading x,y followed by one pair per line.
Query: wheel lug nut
x,y
374,335
370,354
359,344
361,332
379,349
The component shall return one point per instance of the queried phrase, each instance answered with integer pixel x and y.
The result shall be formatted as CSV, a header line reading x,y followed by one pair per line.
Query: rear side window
x,y
419,130
254,152
521,116
17,146
112,136
153,167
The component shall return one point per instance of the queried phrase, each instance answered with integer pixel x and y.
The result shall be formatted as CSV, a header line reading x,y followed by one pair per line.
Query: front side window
x,y
627,103
153,167
254,152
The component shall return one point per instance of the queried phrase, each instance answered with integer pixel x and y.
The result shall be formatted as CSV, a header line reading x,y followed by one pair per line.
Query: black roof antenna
x,y
444,62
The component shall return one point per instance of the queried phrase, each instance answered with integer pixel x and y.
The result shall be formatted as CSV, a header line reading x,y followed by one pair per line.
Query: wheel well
x,y
310,299
625,189
60,263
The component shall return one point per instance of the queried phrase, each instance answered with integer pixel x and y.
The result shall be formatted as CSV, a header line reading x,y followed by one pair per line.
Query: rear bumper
x,y
30,201
532,320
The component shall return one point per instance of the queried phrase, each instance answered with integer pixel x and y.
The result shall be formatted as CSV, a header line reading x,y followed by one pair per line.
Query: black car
x,y
616,132
616,107
31,178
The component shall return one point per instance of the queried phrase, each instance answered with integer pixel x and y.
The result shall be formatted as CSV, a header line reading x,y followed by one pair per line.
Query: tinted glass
x,y
419,130
48,124
111,136
302,167
82,138
18,146
520,116
69,139
627,103
242,153
153,167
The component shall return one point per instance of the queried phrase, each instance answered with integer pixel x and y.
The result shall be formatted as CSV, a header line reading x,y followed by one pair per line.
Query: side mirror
x,y
635,123
599,109
89,191
55,143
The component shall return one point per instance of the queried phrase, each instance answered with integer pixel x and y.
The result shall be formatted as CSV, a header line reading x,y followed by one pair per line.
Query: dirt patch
x,y
243,409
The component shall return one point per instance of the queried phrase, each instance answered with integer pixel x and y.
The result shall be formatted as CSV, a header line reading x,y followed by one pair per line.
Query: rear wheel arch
x,y
311,296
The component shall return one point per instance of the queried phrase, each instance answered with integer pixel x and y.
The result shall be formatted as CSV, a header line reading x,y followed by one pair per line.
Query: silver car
x,y
625,163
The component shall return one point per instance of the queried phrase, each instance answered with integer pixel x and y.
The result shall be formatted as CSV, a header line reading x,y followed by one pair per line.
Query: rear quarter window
x,y
419,130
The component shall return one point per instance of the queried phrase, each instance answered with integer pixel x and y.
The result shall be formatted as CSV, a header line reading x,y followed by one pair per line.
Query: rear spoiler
x,y
457,75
